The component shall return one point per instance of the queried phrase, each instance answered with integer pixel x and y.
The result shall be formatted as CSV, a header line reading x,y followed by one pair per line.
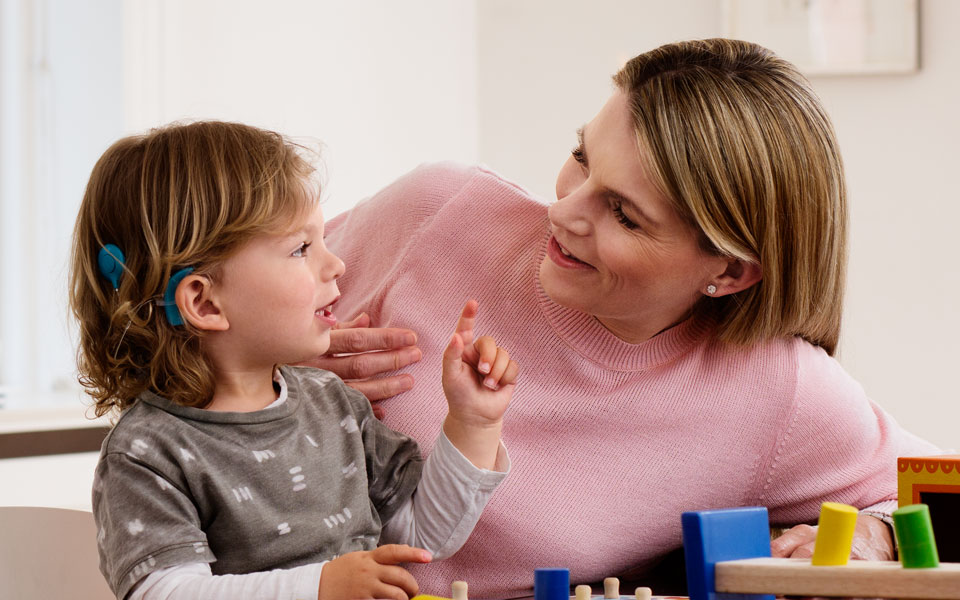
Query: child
x,y
198,273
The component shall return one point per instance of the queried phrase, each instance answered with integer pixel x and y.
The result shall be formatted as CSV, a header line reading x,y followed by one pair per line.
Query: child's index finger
x,y
467,321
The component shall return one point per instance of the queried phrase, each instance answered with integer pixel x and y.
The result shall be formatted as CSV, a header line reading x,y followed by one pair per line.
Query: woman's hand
x,y
359,353
373,574
871,541
478,381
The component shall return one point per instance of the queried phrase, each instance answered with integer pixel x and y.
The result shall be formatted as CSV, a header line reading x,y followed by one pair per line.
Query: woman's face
x,y
619,251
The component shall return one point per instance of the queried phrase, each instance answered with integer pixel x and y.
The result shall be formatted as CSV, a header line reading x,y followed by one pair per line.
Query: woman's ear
x,y
198,304
738,276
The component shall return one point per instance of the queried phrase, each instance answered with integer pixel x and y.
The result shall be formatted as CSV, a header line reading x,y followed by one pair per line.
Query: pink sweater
x,y
610,441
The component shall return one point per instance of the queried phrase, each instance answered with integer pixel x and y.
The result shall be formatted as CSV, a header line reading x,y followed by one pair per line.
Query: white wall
x,y
544,71
383,85
899,137
546,67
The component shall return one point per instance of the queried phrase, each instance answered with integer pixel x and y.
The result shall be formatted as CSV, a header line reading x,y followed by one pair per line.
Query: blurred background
x,y
385,85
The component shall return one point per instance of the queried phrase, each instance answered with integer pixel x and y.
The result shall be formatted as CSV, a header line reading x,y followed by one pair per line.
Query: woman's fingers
x,y
367,339
382,388
368,364
792,540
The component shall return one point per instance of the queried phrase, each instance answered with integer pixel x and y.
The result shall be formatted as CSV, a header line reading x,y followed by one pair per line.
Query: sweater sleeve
x,y
373,237
447,504
196,580
838,446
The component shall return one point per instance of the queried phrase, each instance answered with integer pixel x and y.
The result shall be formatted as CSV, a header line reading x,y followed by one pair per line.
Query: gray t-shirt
x,y
298,483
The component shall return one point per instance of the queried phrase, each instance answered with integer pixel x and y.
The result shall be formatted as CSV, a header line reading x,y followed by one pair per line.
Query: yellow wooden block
x,y
834,534
429,597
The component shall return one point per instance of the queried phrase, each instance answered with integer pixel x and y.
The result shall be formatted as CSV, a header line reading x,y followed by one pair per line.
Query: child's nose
x,y
333,267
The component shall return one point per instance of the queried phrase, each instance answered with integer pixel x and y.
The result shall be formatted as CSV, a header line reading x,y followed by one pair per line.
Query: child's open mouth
x,y
326,313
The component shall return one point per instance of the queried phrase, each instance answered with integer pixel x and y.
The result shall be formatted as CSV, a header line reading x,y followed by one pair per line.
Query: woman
x,y
675,310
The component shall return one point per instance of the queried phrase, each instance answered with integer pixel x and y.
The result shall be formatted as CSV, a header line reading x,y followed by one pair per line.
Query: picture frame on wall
x,y
832,37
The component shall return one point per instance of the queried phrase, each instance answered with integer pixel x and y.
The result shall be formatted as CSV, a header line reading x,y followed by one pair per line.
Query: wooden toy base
x,y
864,579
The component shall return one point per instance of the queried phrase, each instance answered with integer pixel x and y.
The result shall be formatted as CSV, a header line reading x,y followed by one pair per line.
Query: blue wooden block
x,y
712,536
551,584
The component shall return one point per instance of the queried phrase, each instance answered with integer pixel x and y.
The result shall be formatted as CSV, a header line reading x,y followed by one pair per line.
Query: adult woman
x,y
674,311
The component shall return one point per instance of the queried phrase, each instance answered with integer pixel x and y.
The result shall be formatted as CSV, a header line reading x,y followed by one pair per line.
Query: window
x,y
61,74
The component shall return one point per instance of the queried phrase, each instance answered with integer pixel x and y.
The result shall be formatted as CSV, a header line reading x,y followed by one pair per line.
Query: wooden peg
x,y
611,587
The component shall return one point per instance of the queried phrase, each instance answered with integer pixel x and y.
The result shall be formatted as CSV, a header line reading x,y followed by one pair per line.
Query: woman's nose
x,y
571,214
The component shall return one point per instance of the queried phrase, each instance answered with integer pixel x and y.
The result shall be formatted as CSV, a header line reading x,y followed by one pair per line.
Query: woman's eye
x,y
578,155
302,249
622,218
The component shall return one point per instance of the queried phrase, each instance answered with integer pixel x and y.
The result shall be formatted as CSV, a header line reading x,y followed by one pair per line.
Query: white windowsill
x,y
59,480
55,411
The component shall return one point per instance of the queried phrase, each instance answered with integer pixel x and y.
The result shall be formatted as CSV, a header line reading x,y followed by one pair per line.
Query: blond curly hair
x,y
184,195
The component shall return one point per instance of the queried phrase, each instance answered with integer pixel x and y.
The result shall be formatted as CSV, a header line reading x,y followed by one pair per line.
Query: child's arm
x,y
478,381
447,503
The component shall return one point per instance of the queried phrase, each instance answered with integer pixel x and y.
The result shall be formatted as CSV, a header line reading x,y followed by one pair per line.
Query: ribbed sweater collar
x,y
589,338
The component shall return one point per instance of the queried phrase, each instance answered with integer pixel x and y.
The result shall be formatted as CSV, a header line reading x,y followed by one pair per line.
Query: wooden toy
x,y
551,584
711,536
858,578
718,546
611,588
934,481
914,531
834,534
459,589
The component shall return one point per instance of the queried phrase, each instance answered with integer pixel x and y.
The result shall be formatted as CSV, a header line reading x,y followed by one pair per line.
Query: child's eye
x,y
301,250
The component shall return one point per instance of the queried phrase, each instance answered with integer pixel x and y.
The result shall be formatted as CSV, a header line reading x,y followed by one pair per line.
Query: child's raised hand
x,y
478,381
371,574
478,376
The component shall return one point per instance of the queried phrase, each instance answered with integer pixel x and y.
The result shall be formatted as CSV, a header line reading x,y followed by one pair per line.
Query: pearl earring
x,y
711,289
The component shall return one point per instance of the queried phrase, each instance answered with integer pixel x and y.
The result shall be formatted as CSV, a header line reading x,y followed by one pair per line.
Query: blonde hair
x,y
736,138
181,195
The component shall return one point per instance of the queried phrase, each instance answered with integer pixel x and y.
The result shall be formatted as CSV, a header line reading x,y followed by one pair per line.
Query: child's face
x,y
277,293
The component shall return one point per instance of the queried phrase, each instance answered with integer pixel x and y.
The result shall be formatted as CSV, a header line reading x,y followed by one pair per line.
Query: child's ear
x,y
198,304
